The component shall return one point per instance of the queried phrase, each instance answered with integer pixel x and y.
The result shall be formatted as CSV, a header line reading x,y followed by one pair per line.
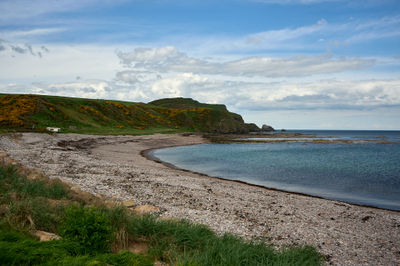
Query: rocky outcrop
x,y
212,118
266,128
251,127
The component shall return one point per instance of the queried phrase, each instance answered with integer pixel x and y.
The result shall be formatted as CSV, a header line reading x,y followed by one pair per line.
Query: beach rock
x,y
146,209
129,203
111,203
34,176
4,159
266,128
46,236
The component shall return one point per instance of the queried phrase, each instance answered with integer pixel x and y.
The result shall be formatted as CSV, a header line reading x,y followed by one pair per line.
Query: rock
x,y
366,218
251,127
111,203
34,176
128,203
46,236
84,195
4,159
75,188
266,128
146,209
138,248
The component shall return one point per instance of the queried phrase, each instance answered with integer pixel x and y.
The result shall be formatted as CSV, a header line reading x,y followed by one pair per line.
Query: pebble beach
x,y
118,168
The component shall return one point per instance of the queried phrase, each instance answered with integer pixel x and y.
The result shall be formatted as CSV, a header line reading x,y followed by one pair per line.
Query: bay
x,y
366,174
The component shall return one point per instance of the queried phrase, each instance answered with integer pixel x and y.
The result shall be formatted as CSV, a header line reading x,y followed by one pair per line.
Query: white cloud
x,y
61,63
18,48
272,37
132,76
324,94
372,35
380,23
302,39
29,33
264,94
169,59
167,72
14,10
375,29
87,89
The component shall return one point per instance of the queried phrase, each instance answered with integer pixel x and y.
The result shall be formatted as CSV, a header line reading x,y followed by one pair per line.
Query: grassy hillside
x,y
36,112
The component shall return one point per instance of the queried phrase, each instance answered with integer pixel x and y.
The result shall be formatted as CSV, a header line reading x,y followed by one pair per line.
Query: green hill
x,y
36,112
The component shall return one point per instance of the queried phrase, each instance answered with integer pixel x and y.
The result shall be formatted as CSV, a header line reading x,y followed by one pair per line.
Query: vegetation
x,y
90,227
36,112
17,248
93,234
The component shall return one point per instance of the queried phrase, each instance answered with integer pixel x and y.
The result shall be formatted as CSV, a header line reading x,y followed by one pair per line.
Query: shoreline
x,y
114,167
146,154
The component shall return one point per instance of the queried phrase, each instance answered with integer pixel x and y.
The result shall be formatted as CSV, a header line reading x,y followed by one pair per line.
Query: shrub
x,y
89,227
119,219
34,213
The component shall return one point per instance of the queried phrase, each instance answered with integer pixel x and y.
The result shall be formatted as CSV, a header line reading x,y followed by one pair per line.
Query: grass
x,y
182,103
185,243
19,249
11,181
96,235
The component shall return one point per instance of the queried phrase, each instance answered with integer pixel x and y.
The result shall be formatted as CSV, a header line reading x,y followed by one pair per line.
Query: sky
x,y
292,64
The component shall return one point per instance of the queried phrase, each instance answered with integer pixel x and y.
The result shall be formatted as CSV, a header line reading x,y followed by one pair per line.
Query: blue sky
x,y
318,64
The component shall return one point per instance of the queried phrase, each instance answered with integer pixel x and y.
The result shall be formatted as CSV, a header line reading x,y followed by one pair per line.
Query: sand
x,y
114,167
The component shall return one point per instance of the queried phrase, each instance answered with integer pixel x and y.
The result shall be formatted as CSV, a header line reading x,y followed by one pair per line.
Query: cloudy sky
x,y
294,64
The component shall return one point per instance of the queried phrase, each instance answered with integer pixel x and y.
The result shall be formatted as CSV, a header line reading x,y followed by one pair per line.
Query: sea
x,y
365,171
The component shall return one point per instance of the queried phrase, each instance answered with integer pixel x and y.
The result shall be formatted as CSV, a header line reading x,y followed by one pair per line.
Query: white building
x,y
53,129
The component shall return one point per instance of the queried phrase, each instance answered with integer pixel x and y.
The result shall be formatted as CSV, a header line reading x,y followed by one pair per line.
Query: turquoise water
x,y
367,174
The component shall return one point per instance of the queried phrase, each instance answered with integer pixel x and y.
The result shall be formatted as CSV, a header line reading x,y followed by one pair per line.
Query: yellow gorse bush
x,y
15,107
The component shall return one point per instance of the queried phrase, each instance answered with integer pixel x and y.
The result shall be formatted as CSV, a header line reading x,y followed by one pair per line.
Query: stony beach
x,y
114,168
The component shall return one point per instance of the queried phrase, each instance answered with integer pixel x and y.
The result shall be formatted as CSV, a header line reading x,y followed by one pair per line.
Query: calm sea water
x,y
367,173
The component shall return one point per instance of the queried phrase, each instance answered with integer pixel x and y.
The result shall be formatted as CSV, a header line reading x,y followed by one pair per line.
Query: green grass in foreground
x,y
96,235
18,249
